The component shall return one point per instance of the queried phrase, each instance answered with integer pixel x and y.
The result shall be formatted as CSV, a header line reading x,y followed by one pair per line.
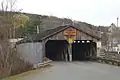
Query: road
x,y
77,71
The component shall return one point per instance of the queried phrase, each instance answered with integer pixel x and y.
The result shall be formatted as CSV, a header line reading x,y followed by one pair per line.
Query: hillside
x,y
49,22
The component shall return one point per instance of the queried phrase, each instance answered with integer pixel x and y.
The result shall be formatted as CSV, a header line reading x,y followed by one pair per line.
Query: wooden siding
x,y
79,36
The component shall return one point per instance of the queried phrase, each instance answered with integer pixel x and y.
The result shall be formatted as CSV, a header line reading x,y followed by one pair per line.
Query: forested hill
x,y
47,22
52,22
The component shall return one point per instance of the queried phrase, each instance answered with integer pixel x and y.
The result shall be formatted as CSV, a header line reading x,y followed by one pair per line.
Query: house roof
x,y
48,33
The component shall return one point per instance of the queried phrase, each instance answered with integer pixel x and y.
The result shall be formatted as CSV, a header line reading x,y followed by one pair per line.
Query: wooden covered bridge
x,y
64,43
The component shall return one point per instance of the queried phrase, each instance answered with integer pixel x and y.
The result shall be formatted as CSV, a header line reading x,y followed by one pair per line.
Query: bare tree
x,y
8,5
8,56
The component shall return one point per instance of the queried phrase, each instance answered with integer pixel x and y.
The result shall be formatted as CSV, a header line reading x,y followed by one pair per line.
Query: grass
x,y
19,76
28,73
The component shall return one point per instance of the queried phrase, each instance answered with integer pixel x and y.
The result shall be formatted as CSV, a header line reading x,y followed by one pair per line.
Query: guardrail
x,y
109,61
108,58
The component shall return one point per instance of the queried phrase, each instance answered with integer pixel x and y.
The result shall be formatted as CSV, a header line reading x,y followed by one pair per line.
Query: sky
x,y
96,12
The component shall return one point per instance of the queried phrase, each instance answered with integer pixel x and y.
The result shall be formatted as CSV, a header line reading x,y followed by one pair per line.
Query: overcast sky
x,y
96,12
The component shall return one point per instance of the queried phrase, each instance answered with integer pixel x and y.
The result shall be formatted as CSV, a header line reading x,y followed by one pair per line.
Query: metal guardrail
x,y
109,61
112,61
112,56
108,58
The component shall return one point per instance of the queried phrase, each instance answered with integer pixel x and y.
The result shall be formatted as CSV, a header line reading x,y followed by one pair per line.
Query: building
x,y
113,38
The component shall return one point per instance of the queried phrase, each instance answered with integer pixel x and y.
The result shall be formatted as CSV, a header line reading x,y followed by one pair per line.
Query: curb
x,y
39,65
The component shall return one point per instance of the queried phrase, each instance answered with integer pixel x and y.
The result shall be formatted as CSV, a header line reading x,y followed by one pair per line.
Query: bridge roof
x,y
51,32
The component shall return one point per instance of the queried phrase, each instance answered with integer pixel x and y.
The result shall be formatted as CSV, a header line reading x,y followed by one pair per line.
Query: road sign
x,y
70,40
70,32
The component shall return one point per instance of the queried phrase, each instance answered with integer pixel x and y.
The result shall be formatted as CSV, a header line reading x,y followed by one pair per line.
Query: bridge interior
x,y
83,50
57,50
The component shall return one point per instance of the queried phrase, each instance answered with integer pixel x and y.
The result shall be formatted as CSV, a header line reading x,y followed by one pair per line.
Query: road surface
x,y
76,71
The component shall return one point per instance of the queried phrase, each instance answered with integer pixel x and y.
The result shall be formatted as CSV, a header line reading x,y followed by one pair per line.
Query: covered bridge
x,y
64,43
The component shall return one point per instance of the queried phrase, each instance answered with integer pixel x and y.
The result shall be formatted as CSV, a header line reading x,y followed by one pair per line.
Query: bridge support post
x,y
70,52
70,58
66,57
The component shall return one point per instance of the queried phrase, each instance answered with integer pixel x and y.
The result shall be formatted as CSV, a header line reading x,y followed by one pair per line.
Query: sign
x,y
70,32
70,40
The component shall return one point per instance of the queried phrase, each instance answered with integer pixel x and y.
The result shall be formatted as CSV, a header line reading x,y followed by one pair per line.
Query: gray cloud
x,y
97,12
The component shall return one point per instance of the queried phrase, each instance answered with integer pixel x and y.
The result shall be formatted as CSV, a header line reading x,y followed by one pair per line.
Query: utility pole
x,y
38,31
63,23
73,23
117,21
10,33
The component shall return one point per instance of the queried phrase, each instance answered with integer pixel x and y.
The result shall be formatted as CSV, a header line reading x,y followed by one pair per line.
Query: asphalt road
x,y
77,71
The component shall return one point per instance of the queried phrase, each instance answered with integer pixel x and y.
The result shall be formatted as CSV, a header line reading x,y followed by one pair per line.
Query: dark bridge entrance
x,y
60,48
83,50
56,50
